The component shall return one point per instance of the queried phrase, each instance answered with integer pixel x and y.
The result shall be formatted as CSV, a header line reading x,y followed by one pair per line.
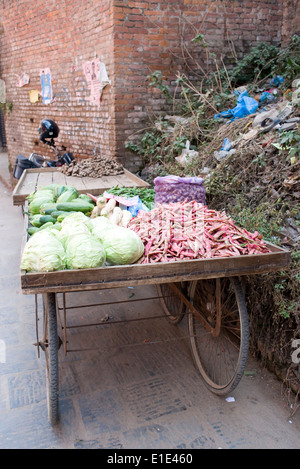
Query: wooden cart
x,y
208,291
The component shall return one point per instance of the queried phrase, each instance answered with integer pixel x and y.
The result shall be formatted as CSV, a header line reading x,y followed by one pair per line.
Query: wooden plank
x,y
44,179
133,177
59,178
77,182
124,180
98,183
25,234
26,184
149,274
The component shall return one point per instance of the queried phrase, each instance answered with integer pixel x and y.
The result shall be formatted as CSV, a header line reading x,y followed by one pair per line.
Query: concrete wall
x,y
132,39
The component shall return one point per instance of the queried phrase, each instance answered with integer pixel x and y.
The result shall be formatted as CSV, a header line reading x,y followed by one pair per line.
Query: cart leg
x,y
220,337
50,346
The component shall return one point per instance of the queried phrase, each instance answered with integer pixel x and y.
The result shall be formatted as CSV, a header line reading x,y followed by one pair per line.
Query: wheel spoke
x,y
173,306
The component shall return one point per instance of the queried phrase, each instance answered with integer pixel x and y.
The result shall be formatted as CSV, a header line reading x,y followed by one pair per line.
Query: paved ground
x,y
137,388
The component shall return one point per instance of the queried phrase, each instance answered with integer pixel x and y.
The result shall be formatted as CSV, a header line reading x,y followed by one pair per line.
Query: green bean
x,y
146,194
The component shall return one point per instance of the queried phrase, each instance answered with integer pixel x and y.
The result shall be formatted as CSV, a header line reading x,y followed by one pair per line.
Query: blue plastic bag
x,y
266,97
245,106
227,145
276,81
134,209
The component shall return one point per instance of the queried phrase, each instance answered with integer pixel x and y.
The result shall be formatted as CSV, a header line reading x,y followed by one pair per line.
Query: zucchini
x,y
32,230
47,209
73,206
35,220
48,224
56,213
68,195
59,190
46,219
61,217
35,229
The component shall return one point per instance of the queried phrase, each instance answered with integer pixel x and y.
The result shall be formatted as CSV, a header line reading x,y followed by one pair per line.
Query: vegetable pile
x,y
79,231
72,231
95,167
51,204
109,209
81,243
189,230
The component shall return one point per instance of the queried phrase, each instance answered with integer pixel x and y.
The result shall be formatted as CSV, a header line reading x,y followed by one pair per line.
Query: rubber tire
x,y
201,363
52,359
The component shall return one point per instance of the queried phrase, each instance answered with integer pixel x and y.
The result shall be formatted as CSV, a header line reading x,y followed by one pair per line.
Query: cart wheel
x,y
220,334
173,306
50,346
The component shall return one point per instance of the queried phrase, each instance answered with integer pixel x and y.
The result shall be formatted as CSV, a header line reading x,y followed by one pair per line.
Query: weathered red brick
x,y
133,39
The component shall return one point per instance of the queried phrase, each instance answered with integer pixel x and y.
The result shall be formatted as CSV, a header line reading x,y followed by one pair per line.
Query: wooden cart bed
x,y
34,179
147,274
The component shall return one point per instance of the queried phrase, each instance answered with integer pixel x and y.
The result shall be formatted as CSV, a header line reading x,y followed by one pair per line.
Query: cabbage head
x,y
84,251
100,225
122,246
75,223
43,252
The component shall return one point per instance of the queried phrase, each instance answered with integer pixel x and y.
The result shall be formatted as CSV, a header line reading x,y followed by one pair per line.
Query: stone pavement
x,y
137,388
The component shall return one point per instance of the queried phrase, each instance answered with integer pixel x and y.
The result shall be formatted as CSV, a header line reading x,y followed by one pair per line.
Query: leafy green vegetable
x,y
146,194
122,246
43,252
100,224
75,223
84,251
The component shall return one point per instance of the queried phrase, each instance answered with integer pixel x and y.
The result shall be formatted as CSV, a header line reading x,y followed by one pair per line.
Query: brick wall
x,y
133,38
157,35
291,20
61,35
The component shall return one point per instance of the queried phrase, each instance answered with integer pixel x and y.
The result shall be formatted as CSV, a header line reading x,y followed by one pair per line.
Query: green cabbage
x,y
100,224
75,223
84,251
122,246
76,220
43,252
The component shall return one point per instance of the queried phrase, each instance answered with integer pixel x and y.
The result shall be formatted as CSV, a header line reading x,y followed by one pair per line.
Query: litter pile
x,y
95,167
